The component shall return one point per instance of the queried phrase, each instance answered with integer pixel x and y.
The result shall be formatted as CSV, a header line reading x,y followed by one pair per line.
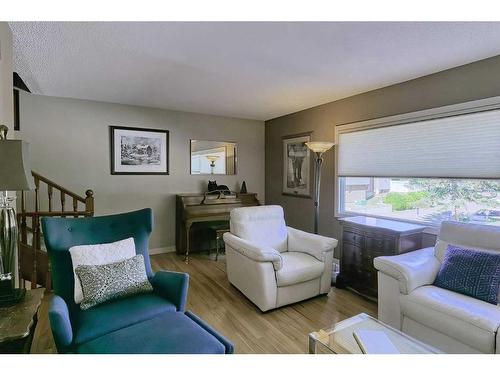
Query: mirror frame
x,y
209,174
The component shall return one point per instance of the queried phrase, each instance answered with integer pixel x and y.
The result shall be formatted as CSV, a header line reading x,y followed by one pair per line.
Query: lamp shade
x,y
212,157
15,169
320,146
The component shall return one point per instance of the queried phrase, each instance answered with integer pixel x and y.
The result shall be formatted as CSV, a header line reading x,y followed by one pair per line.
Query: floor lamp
x,y
15,175
212,159
319,148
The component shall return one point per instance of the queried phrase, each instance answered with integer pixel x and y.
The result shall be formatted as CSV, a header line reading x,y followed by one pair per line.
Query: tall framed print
x,y
297,165
138,150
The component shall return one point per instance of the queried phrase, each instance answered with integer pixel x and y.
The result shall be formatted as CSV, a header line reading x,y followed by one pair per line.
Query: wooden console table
x,y
18,323
365,238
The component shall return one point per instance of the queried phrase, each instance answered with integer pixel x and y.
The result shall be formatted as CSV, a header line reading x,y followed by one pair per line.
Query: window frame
x,y
474,106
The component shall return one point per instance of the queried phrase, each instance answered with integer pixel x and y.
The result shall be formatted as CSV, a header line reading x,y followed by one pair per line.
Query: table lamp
x,y
15,174
319,148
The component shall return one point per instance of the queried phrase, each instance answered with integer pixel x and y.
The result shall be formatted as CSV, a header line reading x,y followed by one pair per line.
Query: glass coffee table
x,y
339,339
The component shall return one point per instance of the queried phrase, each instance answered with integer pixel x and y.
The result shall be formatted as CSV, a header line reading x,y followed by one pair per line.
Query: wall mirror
x,y
213,157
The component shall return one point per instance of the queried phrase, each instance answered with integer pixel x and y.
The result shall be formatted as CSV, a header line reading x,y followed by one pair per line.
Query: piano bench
x,y
219,230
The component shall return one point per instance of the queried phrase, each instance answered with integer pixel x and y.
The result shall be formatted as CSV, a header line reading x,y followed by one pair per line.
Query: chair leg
x,y
216,248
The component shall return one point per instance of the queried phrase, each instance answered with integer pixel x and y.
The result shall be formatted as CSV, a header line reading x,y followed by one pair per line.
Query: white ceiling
x,y
248,70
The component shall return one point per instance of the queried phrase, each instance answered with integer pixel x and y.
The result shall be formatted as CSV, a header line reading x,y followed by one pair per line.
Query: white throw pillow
x,y
97,255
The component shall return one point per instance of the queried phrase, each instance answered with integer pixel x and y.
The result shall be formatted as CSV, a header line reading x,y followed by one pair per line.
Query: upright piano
x,y
194,208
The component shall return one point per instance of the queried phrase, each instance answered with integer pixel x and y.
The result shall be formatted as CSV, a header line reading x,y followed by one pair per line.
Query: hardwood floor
x,y
213,298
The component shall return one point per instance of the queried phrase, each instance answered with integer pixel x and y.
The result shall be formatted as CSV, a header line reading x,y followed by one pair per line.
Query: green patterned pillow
x,y
115,280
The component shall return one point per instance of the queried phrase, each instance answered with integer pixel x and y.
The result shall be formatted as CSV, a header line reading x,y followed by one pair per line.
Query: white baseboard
x,y
162,250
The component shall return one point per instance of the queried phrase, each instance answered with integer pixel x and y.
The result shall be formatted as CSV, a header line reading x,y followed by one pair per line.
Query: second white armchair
x,y
274,265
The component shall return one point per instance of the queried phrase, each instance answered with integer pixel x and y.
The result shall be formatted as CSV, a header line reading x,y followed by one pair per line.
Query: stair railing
x,y
48,200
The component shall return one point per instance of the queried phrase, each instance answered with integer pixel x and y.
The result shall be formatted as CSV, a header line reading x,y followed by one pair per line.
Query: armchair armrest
x,y
172,286
60,323
312,244
254,251
412,270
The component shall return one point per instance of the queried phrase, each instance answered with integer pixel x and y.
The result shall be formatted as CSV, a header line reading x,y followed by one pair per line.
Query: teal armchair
x,y
146,323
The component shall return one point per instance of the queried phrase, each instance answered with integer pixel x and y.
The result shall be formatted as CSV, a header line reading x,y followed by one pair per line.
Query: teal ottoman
x,y
168,333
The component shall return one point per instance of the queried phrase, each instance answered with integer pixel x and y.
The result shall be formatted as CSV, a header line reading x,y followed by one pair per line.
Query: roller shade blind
x,y
463,146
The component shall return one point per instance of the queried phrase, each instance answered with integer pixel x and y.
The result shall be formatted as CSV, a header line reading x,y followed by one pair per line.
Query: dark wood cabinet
x,y
365,238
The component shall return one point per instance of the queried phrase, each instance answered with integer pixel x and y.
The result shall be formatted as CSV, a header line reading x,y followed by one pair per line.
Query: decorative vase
x,y
243,188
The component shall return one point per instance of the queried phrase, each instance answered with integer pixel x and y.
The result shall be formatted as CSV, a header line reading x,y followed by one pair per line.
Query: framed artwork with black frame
x,y
297,165
139,151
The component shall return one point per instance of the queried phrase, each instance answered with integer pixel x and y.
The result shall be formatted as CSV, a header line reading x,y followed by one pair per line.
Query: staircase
x,y
48,200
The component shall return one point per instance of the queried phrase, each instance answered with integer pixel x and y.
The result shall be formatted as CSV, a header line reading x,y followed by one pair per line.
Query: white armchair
x,y
450,321
272,264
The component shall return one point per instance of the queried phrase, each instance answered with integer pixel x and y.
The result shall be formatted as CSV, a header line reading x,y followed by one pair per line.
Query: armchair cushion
x,y
256,252
117,314
463,318
263,225
412,270
312,244
470,236
297,268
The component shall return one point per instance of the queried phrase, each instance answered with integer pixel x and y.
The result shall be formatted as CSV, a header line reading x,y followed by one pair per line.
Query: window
x,y
435,165
428,200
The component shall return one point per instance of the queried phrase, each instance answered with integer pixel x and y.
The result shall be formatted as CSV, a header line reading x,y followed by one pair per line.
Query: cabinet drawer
x,y
380,245
353,238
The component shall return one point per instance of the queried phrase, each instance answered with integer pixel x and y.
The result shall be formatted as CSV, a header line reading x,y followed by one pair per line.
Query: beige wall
x,y
70,145
469,82
6,96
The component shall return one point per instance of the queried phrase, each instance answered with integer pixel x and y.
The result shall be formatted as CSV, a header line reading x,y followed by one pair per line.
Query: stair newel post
x,y
89,203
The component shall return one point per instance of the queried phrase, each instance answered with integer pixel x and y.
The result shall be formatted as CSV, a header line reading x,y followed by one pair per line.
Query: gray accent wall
x,y
461,84
70,145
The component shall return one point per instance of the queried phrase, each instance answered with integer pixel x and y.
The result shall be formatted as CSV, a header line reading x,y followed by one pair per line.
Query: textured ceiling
x,y
249,70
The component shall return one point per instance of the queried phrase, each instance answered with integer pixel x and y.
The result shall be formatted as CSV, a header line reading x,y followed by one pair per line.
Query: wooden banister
x,y
56,186
33,260
53,214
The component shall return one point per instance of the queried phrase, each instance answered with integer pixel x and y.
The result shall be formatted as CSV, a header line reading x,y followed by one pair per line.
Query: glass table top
x,y
340,338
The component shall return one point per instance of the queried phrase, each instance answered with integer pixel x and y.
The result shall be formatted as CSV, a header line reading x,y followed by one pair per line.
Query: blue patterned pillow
x,y
470,272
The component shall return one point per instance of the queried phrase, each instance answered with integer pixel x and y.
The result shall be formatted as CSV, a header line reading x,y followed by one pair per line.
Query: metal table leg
x,y
312,344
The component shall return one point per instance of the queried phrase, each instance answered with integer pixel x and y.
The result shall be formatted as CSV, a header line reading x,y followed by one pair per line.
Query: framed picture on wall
x,y
138,150
297,165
